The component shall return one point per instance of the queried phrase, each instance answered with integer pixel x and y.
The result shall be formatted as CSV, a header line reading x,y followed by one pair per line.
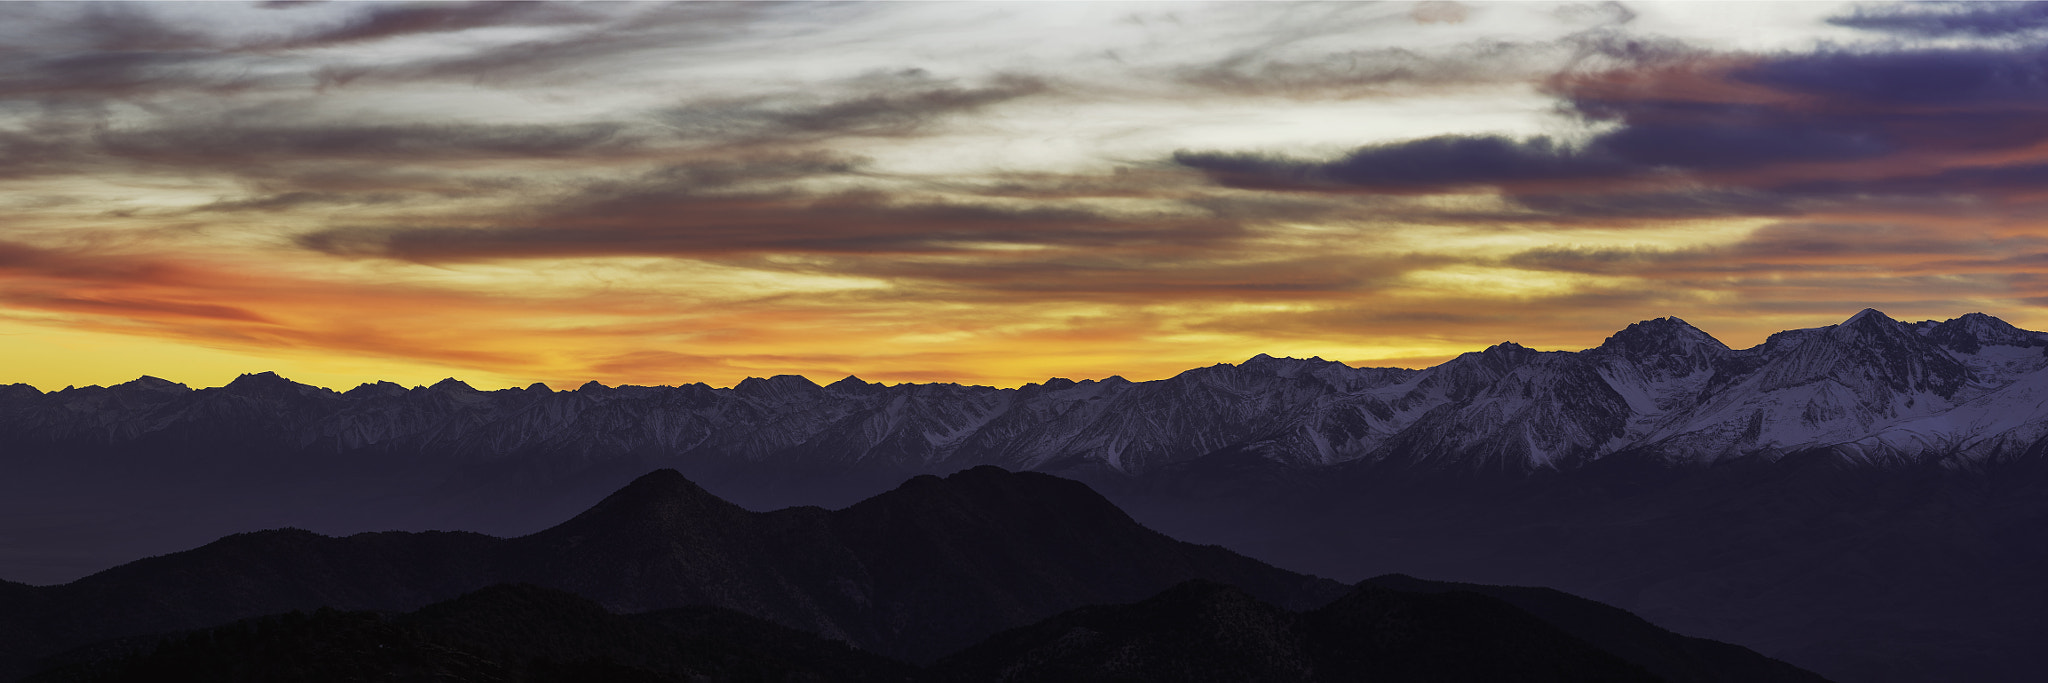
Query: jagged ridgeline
x,y
1871,389
1864,498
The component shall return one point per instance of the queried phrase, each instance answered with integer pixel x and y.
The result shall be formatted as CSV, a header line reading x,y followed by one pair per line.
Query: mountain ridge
x,y
1658,385
913,573
956,573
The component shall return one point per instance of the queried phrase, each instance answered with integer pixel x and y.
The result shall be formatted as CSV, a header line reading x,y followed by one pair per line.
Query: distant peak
x,y
776,384
1666,335
257,379
850,383
1868,316
265,382
1870,321
379,389
592,386
987,487
155,384
452,384
982,472
661,497
540,387
1970,332
666,478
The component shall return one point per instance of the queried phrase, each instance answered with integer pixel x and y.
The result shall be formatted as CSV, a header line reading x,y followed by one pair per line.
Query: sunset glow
x,y
989,193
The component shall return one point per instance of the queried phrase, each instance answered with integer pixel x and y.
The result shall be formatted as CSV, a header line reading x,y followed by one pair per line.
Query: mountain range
x,y
1961,393
983,575
1865,499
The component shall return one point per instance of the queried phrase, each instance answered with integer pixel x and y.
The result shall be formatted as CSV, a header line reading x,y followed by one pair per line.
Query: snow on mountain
x,y
1871,390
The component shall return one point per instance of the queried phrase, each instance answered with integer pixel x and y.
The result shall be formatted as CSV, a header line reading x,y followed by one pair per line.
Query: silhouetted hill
x,y
1201,631
1375,633
914,573
502,633
1193,632
1670,656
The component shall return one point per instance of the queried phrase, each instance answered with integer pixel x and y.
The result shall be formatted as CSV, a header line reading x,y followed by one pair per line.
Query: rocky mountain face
x,y
1660,388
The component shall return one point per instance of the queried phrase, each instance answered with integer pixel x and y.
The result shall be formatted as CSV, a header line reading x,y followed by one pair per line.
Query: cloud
x,y
1685,203
662,224
288,201
1706,136
144,308
22,261
1943,19
1955,80
226,143
1439,163
884,105
1652,138
1799,247
1306,73
382,21
636,33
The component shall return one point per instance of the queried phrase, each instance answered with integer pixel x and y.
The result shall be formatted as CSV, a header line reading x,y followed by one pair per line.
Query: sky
x,y
989,193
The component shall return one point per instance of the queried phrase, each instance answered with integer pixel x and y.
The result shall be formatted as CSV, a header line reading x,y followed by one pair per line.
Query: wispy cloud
x,y
999,192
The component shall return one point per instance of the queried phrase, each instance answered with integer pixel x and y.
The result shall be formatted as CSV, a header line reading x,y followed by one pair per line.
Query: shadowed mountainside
x,y
1195,631
914,573
501,634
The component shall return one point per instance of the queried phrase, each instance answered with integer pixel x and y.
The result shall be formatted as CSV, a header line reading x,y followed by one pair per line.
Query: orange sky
x,y
662,194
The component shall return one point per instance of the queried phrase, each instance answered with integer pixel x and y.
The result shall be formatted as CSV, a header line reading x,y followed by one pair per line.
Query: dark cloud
x,y
1735,132
230,143
89,51
1695,136
1804,241
1956,78
885,105
128,28
1150,275
1353,73
1359,73
43,147
107,74
144,308
1702,202
25,261
1799,246
1654,137
2025,178
380,21
638,32
1603,260
1943,19
287,201
719,173
659,224
1433,163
